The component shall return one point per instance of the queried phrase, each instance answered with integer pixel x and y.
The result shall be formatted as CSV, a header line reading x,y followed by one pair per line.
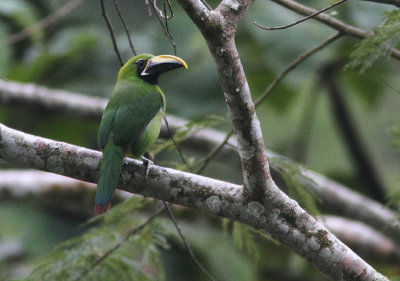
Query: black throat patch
x,y
149,78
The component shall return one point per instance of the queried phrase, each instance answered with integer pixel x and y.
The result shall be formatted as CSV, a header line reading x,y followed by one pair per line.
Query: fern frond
x,y
247,238
244,240
121,246
297,185
379,44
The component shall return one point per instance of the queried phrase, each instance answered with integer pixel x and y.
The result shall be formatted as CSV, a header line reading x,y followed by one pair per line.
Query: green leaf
x,y
379,44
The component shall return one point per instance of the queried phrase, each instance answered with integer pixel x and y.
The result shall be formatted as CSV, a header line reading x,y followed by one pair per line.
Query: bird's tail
x,y
110,171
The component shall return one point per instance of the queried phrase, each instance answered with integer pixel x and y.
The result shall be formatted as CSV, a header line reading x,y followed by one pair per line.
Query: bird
x,y
131,121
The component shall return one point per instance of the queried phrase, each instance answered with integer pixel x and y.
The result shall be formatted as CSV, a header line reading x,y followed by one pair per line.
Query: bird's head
x,y
149,68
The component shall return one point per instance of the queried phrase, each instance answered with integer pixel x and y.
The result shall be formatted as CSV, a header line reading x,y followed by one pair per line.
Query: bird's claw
x,y
146,163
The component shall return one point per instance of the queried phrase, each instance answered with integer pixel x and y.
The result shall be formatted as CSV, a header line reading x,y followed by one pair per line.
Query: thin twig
x,y
213,152
176,144
165,28
167,3
116,3
206,4
125,237
187,246
293,65
158,10
44,23
110,28
148,8
300,21
166,19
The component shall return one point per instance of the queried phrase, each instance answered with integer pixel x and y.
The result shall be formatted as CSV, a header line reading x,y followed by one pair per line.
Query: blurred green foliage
x,y
384,38
297,188
119,247
76,54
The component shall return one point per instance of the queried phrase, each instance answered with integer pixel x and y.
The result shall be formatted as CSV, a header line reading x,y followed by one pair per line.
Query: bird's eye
x,y
141,63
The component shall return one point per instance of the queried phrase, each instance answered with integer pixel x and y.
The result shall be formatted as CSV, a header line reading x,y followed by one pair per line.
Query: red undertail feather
x,y
101,209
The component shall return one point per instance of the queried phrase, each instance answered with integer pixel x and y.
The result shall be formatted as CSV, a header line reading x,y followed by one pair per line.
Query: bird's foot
x,y
146,163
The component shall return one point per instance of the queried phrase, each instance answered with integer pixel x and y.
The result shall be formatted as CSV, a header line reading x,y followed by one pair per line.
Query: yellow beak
x,y
166,59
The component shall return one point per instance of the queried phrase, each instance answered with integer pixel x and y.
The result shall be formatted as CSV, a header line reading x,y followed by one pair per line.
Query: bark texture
x,y
284,220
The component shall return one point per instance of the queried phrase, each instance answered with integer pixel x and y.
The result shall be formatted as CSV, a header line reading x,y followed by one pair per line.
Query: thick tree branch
x,y
353,205
51,100
46,189
218,28
341,200
284,220
25,184
58,193
334,196
258,185
258,203
366,241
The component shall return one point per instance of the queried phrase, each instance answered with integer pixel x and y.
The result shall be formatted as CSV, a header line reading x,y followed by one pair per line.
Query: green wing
x,y
130,109
106,124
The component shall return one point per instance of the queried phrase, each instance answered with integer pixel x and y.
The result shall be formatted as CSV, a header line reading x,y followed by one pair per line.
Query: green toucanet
x,y
132,119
